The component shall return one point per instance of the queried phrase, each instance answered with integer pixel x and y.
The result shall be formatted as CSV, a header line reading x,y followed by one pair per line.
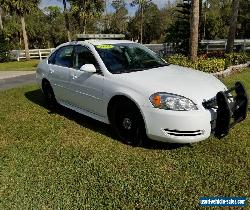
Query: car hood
x,y
195,85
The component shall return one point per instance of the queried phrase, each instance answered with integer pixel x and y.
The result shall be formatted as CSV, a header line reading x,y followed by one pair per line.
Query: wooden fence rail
x,y
34,53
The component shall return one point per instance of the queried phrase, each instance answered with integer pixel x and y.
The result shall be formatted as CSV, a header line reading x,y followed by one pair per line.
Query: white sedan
x,y
125,84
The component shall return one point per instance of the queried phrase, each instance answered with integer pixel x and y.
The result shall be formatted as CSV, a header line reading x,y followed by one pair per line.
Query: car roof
x,y
106,41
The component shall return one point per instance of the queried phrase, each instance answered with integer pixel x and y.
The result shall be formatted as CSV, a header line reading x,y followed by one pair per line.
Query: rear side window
x,y
63,57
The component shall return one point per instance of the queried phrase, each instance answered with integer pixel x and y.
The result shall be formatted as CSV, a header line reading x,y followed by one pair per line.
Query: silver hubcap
x,y
127,123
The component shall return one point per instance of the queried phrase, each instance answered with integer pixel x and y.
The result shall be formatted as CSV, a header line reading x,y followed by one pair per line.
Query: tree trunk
x,y
25,39
194,30
233,26
20,39
66,19
1,22
142,17
85,16
85,25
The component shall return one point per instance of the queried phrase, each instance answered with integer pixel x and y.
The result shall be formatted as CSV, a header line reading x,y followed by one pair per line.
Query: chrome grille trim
x,y
184,133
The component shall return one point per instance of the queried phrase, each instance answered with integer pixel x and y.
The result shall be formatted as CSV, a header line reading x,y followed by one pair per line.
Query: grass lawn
x,y
19,65
67,161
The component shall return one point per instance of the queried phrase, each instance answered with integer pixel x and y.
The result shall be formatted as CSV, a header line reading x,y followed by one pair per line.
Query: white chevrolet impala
x,y
125,84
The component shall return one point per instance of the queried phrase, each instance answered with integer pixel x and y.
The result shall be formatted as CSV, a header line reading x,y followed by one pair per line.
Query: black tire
x,y
49,95
128,123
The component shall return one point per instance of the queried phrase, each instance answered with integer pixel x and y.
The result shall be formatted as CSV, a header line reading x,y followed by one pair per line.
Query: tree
x,y
167,19
38,29
233,26
21,8
179,31
119,18
244,20
194,30
66,17
142,4
13,30
86,10
1,21
4,47
57,33
152,31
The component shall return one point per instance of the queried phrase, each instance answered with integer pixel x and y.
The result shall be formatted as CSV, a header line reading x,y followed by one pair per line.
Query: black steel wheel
x,y
128,123
49,95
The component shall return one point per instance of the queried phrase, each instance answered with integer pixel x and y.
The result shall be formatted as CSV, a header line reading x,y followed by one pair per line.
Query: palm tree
x,y
233,25
66,19
194,30
21,8
86,10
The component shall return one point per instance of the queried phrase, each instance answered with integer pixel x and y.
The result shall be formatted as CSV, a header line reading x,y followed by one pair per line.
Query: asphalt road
x,y
17,81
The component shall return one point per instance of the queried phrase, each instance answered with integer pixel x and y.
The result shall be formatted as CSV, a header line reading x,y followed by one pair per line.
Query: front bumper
x,y
194,126
177,127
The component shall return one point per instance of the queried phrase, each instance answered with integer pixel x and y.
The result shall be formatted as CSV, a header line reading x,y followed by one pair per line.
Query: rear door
x,y
59,70
87,88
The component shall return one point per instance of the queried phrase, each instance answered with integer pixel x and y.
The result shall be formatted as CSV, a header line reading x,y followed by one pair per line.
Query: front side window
x,y
128,57
82,56
64,56
51,59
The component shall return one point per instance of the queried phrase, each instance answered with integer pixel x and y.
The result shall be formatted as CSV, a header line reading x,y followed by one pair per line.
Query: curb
x,y
230,70
12,74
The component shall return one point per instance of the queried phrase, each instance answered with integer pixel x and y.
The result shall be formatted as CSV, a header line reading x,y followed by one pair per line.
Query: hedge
x,y
208,63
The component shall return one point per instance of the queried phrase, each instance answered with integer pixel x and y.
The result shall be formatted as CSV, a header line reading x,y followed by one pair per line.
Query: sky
x,y
160,3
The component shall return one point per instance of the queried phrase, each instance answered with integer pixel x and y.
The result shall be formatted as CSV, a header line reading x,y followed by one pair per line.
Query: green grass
x,y
19,65
67,161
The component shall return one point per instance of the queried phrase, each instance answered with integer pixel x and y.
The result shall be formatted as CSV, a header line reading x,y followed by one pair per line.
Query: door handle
x,y
51,71
74,77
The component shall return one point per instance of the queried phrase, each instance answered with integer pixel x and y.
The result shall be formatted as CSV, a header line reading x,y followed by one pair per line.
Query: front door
x,y
87,88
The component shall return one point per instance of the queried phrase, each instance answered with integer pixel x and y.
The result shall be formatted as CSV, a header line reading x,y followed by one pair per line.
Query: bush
x,y
178,59
210,62
235,58
215,54
207,65
211,65
4,48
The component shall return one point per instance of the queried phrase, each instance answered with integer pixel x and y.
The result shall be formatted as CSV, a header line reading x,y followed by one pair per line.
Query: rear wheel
x,y
128,123
49,95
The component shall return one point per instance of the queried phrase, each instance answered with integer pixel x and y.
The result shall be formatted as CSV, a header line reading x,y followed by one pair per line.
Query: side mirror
x,y
90,68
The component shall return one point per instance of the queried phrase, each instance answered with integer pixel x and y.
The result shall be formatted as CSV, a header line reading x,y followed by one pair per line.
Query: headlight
x,y
172,102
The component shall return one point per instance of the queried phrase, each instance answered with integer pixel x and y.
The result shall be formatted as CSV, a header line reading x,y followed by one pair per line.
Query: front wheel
x,y
128,123
49,95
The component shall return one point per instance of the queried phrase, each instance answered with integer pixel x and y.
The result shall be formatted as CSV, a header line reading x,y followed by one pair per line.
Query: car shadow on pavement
x,y
37,97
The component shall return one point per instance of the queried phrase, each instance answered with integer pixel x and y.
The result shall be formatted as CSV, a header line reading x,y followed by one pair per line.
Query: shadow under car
x,y
37,97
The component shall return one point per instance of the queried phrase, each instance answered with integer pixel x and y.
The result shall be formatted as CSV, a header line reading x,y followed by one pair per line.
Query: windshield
x,y
128,57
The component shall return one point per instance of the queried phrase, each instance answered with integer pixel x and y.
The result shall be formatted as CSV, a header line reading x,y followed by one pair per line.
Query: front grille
x,y
212,103
184,133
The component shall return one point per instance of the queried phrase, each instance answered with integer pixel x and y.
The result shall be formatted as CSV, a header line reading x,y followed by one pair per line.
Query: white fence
x,y
207,45
162,49
239,44
34,53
